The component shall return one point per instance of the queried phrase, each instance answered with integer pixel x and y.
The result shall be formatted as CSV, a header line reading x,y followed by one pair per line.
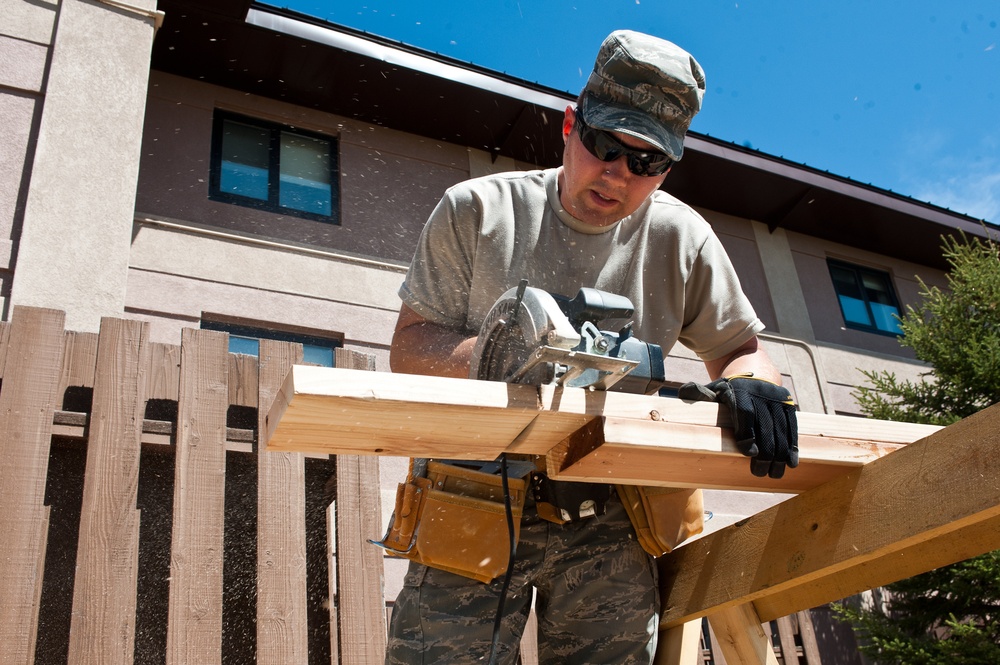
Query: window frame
x,y
859,271
274,129
258,332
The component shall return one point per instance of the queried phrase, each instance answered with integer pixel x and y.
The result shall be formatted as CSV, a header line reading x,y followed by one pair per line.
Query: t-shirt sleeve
x,y
438,281
718,316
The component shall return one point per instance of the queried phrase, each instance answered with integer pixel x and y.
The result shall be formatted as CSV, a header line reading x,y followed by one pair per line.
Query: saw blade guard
x,y
519,323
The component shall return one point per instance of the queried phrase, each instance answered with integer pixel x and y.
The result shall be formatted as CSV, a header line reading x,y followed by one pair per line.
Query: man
x,y
601,221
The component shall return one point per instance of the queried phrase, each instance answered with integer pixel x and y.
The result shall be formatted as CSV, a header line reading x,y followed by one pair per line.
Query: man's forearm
x,y
422,347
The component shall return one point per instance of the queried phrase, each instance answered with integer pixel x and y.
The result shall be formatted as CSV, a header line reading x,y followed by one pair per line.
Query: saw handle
x,y
595,306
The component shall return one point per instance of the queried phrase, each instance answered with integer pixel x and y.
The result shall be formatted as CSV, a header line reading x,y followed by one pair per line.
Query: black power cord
x,y
512,542
510,563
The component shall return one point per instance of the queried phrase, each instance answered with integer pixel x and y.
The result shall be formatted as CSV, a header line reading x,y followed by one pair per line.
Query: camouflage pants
x,y
595,591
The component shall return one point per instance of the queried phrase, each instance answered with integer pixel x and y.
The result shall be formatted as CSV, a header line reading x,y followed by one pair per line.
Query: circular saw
x,y
530,336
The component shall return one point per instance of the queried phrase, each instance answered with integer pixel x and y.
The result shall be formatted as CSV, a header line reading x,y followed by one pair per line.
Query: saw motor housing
x,y
532,336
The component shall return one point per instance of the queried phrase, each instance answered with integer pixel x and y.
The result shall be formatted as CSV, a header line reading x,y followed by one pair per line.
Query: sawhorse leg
x,y
680,645
741,636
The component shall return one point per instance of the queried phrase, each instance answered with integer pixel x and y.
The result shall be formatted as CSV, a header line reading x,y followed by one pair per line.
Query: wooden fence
x,y
142,523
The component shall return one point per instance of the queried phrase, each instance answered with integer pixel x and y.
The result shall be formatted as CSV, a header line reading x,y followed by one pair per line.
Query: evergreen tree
x,y
949,616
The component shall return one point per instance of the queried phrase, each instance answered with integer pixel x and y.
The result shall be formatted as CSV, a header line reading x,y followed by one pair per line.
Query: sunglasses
x,y
607,148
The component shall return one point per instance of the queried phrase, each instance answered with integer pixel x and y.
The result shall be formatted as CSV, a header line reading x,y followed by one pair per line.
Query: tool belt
x,y
451,515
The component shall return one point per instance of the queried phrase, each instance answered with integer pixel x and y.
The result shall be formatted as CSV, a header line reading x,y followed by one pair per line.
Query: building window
x,y
246,340
273,167
867,299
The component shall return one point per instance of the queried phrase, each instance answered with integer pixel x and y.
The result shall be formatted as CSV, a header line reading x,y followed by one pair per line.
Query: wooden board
x,y
586,435
929,504
645,452
33,357
104,602
359,566
346,411
282,610
741,637
194,629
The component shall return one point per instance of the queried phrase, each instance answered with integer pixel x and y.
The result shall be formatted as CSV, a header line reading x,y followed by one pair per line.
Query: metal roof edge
x,y
826,180
264,17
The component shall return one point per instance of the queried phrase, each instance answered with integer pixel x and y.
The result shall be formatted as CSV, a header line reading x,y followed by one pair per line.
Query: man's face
x,y
601,193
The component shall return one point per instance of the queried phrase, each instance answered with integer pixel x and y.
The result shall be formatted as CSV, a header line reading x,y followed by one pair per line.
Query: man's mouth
x,y
601,198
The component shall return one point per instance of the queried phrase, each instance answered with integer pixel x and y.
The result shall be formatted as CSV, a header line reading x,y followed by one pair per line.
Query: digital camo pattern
x,y
646,86
597,600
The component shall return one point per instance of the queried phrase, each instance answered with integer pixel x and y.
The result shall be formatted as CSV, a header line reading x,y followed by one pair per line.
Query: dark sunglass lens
x,y
606,148
600,145
646,165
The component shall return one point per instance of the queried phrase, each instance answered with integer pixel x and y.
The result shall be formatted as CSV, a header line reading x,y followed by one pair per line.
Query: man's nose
x,y
617,168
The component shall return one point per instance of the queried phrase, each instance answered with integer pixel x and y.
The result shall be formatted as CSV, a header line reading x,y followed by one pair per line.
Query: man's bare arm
x,y
422,347
748,358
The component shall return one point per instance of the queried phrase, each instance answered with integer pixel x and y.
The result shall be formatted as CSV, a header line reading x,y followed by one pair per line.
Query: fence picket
x,y
4,336
164,371
31,372
194,630
282,635
104,593
79,361
361,595
809,646
243,378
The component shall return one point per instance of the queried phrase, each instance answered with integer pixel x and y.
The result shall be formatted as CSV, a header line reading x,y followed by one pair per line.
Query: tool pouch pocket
x,y
455,520
663,517
563,502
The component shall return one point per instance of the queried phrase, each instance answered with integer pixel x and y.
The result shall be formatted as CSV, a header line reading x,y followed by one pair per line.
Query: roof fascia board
x,y
401,58
833,183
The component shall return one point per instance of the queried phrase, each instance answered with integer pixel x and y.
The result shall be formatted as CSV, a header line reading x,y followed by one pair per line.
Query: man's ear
x,y
569,119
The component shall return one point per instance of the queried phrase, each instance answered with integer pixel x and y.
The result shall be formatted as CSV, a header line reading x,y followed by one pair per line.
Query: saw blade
x,y
506,343
521,321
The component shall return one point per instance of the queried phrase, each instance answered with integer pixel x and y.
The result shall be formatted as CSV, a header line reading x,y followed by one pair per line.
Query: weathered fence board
x,y
164,371
104,594
32,368
4,334
281,538
79,361
194,631
359,567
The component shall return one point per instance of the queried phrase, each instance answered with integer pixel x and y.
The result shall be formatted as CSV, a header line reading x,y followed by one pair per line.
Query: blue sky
x,y
902,95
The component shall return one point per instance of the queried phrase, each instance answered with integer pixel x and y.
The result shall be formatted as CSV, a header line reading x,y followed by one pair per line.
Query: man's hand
x,y
764,420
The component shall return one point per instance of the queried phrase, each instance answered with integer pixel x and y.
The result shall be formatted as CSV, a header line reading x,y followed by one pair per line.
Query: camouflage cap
x,y
644,86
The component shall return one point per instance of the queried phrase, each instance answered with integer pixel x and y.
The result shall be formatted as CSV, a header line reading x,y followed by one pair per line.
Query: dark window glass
x,y
273,167
867,299
245,161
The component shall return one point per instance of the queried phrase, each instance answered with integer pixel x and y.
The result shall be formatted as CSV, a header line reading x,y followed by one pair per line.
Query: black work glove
x,y
763,416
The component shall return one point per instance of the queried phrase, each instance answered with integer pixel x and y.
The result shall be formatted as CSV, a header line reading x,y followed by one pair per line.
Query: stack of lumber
x,y
585,435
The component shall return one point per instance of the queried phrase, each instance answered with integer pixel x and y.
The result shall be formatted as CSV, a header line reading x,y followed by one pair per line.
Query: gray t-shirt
x,y
486,234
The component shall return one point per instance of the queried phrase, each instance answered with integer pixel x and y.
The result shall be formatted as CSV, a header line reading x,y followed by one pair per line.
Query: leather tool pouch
x,y
663,517
455,520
